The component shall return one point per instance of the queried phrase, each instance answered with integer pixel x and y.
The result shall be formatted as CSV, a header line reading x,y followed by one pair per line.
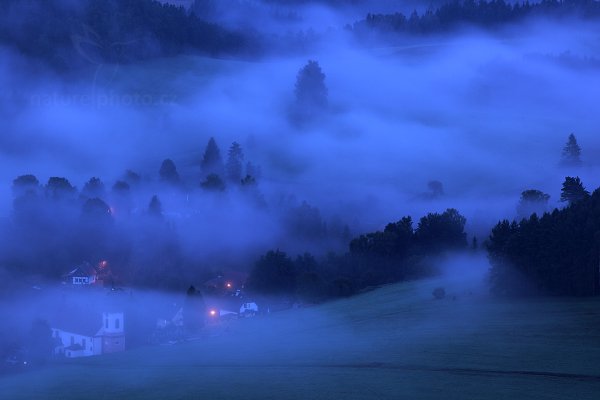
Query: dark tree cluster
x,y
399,252
68,33
218,175
484,14
55,227
558,253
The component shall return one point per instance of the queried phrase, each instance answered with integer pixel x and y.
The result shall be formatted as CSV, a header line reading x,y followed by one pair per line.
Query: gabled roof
x,y
82,270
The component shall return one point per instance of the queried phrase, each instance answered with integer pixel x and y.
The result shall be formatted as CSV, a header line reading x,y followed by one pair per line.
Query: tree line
x,y
483,14
72,34
400,252
557,253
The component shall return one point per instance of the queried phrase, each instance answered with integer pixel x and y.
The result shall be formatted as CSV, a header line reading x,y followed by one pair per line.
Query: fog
x,y
485,113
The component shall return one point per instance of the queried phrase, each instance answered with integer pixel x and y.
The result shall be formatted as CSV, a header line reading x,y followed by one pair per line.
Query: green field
x,y
393,342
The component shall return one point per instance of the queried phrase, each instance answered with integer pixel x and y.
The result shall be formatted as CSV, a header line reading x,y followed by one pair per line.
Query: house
x,y
88,274
83,274
82,337
248,309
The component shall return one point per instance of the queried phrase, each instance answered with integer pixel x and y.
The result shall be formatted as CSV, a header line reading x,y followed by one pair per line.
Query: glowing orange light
x,y
228,285
213,313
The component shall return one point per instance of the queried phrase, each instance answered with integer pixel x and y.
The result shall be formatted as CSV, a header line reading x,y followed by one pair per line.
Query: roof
x,y
84,269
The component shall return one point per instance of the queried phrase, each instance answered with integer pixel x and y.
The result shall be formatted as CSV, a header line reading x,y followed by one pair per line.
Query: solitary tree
x,y
436,189
532,201
235,159
168,172
573,190
571,152
310,86
212,163
155,207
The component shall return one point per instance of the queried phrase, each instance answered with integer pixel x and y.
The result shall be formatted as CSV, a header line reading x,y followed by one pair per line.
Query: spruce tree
x,y
212,163
573,190
310,86
234,166
168,172
571,152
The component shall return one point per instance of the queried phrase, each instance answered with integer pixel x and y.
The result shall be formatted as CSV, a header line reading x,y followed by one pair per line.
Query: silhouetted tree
x,y
94,188
273,274
24,184
436,189
235,159
155,207
571,152
121,198
213,182
121,187
555,254
168,172
310,86
96,208
572,190
532,201
59,188
212,163
442,231
132,178
194,310
305,222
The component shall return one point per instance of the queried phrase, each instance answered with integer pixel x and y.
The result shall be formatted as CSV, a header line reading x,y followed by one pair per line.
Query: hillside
x,y
390,342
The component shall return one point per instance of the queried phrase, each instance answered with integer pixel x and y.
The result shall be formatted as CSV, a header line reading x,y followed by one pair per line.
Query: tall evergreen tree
x,y
212,163
155,207
573,190
310,86
234,166
571,154
168,172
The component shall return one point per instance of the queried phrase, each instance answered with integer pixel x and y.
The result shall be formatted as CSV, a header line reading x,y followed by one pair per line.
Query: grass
x,y
394,342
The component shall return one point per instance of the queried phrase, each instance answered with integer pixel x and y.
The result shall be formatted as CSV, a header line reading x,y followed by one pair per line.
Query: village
x,y
94,316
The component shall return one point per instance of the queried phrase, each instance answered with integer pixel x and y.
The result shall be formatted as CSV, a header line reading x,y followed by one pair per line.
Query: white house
x,y
83,274
80,338
248,309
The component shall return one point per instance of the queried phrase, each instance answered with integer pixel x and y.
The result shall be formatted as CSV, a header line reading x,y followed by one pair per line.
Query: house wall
x,y
83,280
92,346
113,344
